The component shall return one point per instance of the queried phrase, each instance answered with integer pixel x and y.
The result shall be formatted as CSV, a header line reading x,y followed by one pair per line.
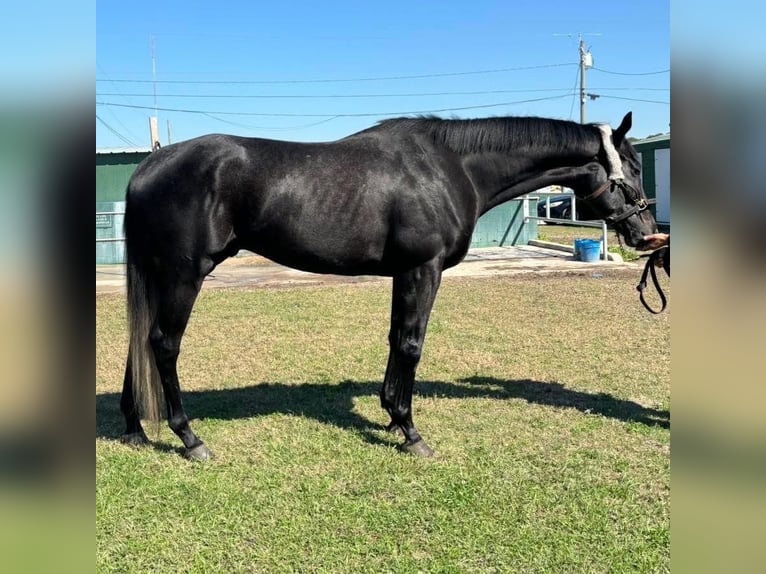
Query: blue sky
x,y
310,71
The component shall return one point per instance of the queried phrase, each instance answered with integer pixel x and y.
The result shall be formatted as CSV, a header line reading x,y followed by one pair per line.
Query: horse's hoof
x,y
199,453
419,449
135,439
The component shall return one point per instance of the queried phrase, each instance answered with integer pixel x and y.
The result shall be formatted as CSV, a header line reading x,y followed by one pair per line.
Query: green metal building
x,y
502,226
113,170
655,172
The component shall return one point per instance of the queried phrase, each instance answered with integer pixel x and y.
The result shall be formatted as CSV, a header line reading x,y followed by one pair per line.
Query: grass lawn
x,y
547,402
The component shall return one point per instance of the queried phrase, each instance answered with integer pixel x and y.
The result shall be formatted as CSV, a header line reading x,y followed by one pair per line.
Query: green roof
x,y
653,139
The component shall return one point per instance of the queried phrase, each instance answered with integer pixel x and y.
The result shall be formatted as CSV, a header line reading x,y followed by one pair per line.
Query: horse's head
x,y
612,187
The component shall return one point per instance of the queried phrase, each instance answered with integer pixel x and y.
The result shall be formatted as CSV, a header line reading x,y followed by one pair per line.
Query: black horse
x,y
400,199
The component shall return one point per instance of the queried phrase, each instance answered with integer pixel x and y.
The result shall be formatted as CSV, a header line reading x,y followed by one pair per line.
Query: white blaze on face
x,y
615,165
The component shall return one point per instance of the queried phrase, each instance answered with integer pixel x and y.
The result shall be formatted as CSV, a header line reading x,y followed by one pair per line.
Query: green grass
x,y
547,403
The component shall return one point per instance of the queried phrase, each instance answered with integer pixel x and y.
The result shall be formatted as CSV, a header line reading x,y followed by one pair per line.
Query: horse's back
x,y
361,205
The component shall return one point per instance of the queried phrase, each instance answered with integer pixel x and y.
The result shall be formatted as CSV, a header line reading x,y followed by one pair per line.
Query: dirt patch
x,y
249,260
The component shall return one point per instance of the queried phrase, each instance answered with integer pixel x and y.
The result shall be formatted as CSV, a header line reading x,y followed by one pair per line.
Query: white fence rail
x,y
597,223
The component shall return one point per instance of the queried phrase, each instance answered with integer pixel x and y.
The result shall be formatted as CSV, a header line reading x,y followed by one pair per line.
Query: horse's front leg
x,y
413,297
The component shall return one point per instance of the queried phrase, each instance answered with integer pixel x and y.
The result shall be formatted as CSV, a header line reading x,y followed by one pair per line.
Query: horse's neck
x,y
501,177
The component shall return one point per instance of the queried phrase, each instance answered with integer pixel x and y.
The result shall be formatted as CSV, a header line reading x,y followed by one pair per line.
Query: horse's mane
x,y
496,134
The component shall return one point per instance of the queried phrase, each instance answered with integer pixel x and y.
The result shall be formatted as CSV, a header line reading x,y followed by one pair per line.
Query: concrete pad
x,y
249,270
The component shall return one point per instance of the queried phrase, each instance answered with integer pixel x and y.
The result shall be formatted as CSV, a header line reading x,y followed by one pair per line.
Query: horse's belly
x,y
321,250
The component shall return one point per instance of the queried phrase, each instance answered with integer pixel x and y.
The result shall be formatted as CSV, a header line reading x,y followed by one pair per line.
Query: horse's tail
x,y
142,313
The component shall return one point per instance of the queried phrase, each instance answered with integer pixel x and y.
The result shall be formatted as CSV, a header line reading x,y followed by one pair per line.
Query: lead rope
x,y
650,265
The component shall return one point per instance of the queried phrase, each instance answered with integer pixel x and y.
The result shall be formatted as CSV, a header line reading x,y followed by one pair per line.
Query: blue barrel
x,y
577,247
590,250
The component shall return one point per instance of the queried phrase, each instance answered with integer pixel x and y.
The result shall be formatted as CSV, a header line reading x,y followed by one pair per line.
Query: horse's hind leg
x,y
176,299
414,293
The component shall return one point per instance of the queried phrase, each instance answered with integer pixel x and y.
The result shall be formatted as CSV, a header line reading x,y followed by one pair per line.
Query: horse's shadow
x,y
334,403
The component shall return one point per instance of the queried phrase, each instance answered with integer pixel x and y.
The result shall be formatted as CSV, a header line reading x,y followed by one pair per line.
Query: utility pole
x,y
586,61
582,81
170,139
154,133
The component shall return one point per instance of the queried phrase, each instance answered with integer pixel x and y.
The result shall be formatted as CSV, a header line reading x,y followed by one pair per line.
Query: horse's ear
x,y
621,132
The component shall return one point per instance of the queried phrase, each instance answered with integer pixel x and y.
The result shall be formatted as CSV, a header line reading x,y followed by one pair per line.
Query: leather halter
x,y
599,191
631,195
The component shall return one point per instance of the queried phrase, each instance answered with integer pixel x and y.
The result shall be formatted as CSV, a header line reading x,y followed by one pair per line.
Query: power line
x,y
347,96
119,121
356,115
128,131
338,80
574,93
108,79
632,73
634,89
339,96
116,133
633,99
270,128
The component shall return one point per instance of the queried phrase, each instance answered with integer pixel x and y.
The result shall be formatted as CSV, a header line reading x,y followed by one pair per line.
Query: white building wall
x,y
662,183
